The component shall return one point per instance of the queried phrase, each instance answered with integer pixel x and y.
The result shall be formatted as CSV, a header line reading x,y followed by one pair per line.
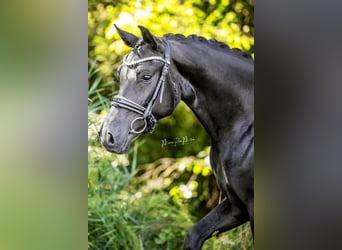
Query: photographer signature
x,y
177,141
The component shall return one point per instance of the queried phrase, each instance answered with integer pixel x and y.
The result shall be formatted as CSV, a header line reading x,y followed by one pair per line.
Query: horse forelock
x,y
211,43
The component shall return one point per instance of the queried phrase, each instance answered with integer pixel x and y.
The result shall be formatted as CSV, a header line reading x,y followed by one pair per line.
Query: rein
x,y
145,113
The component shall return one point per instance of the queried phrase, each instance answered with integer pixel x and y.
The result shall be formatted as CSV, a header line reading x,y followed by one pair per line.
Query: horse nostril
x,y
110,138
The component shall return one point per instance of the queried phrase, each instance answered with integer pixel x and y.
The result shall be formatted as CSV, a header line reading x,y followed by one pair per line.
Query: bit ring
x,y
133,131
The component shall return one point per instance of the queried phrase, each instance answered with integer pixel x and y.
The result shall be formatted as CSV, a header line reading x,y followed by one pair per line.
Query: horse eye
x,y
146,77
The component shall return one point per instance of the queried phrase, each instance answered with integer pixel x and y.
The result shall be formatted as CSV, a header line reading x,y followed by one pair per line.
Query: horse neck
x,y
218,87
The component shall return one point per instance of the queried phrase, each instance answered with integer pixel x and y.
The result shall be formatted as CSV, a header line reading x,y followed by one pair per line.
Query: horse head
x,y
147,91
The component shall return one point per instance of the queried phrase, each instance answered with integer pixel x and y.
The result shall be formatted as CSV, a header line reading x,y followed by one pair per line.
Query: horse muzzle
x,y
114,142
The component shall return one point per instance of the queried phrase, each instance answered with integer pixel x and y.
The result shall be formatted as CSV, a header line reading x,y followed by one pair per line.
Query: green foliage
x,y
229,21
149,206
182,125
188,181
239,238
96,88
122,217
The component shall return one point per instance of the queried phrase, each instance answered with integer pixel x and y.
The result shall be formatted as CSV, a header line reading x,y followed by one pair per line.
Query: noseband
x,y
145,113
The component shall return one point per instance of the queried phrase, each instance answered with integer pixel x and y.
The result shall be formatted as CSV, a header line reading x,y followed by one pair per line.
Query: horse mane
x,y
212,43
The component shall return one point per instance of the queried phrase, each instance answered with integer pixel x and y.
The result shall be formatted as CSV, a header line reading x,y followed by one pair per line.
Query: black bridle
x,y
146,113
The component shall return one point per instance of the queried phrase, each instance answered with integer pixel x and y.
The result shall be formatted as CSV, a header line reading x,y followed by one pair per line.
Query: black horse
x,y
217,83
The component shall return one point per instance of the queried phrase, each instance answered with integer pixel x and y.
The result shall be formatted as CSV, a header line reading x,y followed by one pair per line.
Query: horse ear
x,y
128,38
148,37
